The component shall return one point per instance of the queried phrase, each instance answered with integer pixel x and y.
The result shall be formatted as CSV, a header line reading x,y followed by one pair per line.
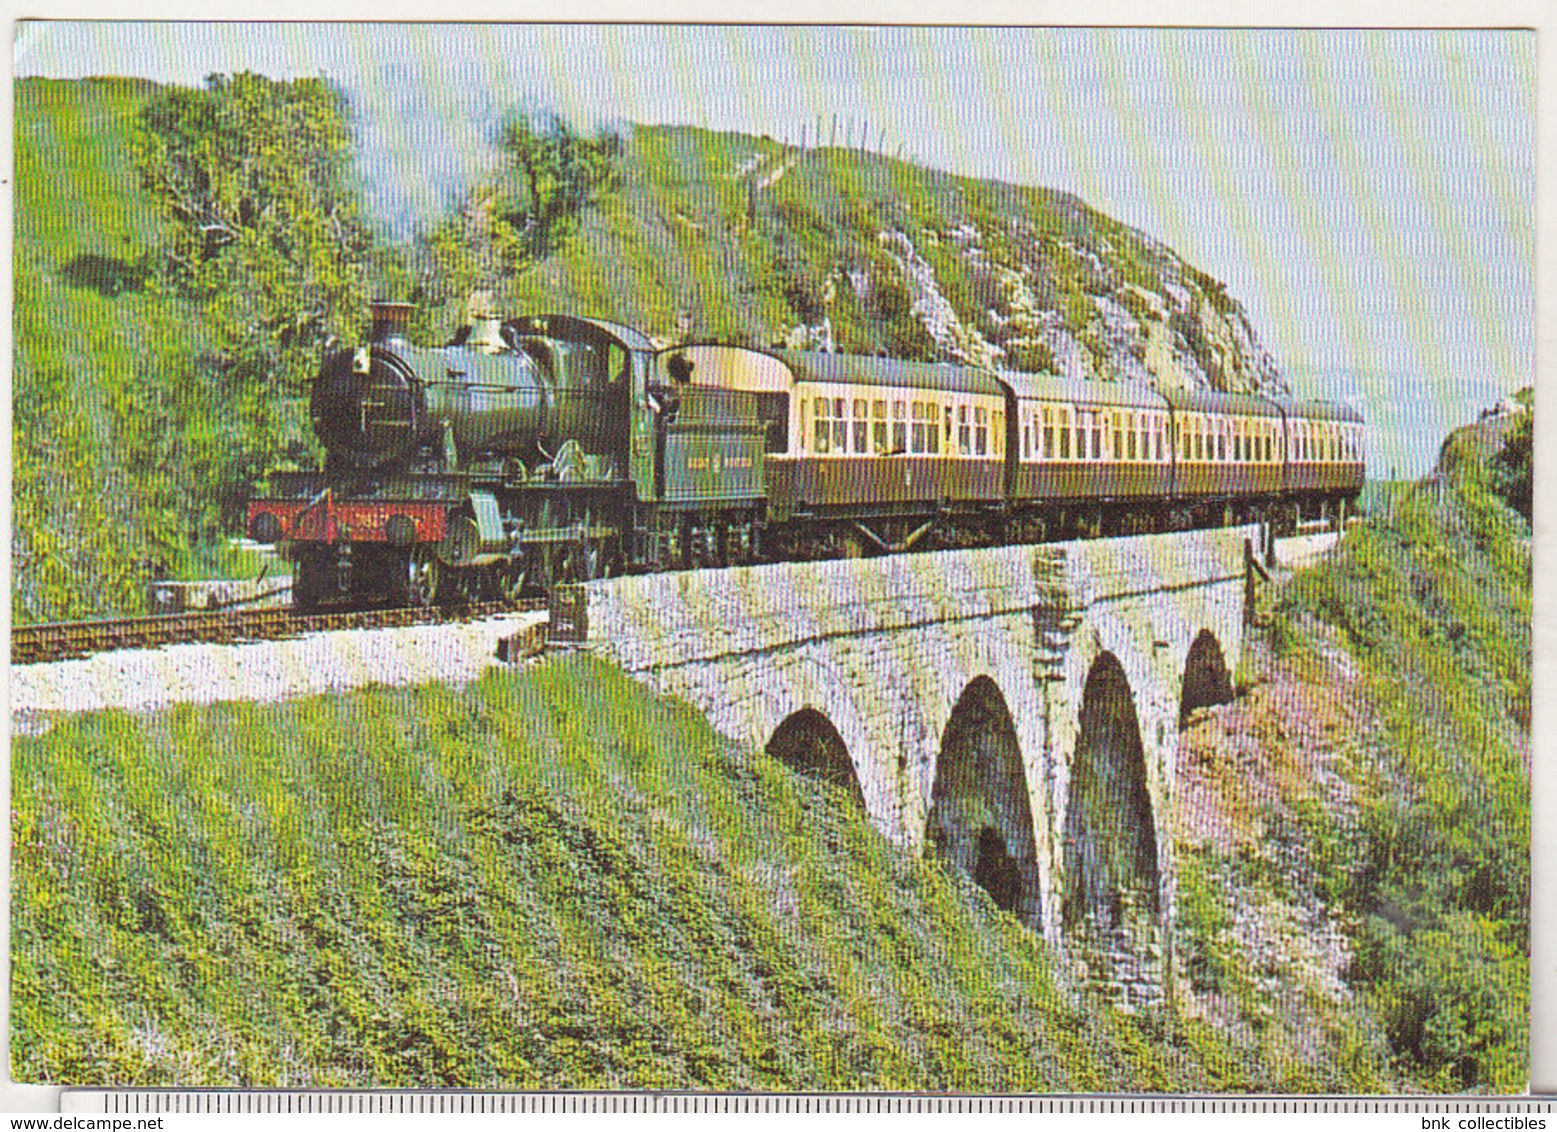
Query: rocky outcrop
x,y
741,239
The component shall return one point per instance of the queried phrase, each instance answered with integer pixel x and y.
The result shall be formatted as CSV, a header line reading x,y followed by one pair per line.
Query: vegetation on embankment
x,y
1354,833
159,352
549,879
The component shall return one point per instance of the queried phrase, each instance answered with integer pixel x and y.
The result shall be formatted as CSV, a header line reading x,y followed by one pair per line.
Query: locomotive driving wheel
x,y
511,578
421,578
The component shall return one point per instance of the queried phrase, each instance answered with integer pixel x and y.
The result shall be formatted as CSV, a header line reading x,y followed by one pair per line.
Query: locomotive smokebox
x,y
390,319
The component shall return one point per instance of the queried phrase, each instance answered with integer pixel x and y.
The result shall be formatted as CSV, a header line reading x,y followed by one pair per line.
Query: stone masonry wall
x,y
884,648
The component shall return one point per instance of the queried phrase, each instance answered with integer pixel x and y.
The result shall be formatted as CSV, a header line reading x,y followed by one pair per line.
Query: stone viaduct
x,y
1014,710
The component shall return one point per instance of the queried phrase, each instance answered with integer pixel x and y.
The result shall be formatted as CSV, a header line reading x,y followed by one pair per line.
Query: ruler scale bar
x,y
196,1101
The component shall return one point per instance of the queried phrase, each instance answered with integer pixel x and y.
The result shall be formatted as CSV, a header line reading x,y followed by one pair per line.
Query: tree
x,y
264,233
550,174
265,240
561,172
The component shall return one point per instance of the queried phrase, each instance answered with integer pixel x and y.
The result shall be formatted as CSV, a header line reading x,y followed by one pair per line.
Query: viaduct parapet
x,y
1014,710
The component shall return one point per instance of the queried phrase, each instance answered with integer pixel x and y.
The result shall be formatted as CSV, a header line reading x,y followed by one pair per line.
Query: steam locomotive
x,y
553,448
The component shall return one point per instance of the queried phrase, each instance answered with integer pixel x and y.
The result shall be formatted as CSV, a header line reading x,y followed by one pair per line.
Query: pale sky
x,y
1368,196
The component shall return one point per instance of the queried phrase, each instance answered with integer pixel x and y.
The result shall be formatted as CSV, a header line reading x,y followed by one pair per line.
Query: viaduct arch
x,y
1014,710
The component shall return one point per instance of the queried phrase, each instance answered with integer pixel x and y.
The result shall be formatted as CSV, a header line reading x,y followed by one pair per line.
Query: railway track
x,y
64,640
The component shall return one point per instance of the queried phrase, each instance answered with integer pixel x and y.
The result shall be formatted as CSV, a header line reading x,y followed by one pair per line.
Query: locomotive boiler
x,y
502,389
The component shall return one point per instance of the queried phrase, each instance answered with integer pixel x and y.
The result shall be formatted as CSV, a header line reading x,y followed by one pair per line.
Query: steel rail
x,y
64,640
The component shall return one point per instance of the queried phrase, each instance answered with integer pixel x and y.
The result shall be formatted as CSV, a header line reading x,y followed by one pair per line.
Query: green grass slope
x,y
1432,600
1387,788
547,880
118,423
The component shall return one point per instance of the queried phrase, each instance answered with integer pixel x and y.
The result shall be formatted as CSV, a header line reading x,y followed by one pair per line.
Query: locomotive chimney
x,y
481,316
389,319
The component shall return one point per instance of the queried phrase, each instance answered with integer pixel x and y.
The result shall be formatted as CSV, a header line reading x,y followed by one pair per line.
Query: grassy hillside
x,y
1433,603
121,427
548,880
1354,833
742,239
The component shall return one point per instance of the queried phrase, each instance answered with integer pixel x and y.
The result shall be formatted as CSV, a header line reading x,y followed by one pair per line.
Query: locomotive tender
x,y
554,448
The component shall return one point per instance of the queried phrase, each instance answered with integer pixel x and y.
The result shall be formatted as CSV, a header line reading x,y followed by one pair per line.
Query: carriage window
x,y
1097,436
917,443
899,426
1270,446
878,426
1064,434
1130,443
1221,441
1238,442
1119,441
840,426
964,435
981,431
1027,441
1082,423
932,428
860,426
1048,433
997,435
823,426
